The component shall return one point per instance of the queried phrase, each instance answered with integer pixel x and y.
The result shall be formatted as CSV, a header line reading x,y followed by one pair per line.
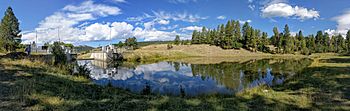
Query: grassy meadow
x,y
158,52
34,85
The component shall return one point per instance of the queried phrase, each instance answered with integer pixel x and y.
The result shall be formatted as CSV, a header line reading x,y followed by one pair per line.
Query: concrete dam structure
x,y
108,53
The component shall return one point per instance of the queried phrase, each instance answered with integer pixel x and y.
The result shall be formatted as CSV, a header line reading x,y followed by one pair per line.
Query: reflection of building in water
x,y
101,64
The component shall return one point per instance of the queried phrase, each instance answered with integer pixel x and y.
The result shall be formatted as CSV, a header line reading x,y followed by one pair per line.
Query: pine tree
x,y
263,42
299,40
348,41
195,39
228,39
221,34
304,49
326,39
319,41
177,40
287,40
246,29
276,39
202,38
9,31
238,35
340,44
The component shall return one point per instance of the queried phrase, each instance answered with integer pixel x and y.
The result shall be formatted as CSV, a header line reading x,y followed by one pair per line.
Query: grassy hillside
x,y
161,52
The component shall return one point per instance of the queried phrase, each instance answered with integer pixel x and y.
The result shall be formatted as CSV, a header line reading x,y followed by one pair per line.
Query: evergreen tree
x,y
319,42
120,44
276,39
10,37
221,34
248,33
304,49
348,41
263,42
195,39
339,44
177,40
287,40
326,44
203,35
299,40
238,35
227,42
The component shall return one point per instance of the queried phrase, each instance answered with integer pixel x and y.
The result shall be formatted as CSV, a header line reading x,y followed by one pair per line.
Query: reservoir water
x,y
181,78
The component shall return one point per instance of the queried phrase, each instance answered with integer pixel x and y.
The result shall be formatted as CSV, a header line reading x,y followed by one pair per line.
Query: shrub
x,y
83,70
58,54
169,46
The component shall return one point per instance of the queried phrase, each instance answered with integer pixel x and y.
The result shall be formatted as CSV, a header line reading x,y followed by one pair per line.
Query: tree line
x,y
234,36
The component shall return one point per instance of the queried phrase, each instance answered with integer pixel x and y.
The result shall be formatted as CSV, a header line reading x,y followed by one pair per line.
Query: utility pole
x,y
110,35
58,34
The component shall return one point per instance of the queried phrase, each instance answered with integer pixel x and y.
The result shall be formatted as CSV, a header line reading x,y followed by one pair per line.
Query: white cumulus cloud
x,y
192,28
221,17
286,10
244,21
343,24
74,24
164,22
66,24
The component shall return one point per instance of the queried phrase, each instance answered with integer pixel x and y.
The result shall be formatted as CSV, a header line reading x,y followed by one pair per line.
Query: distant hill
x,y
142,44
83,48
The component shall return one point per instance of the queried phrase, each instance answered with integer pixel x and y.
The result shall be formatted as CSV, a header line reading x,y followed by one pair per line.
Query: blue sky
x,y
100,22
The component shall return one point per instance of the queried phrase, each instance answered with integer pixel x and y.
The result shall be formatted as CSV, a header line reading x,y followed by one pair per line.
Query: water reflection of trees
x,y
230,74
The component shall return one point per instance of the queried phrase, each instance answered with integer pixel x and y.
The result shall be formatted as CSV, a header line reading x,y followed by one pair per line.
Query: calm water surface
x,y
177,78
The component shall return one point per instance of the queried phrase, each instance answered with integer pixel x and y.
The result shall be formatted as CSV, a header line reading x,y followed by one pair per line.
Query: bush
x,y
83,70
305,51
169,46
58,54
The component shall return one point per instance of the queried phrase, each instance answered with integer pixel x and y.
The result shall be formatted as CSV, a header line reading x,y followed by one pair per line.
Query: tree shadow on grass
x,y
335,60
37,89
327,87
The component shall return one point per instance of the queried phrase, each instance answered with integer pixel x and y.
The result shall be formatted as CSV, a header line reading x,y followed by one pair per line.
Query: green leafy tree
x,y
10,36
68,45
131,43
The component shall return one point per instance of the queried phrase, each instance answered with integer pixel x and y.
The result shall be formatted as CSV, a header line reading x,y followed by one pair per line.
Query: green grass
x,y
34,85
